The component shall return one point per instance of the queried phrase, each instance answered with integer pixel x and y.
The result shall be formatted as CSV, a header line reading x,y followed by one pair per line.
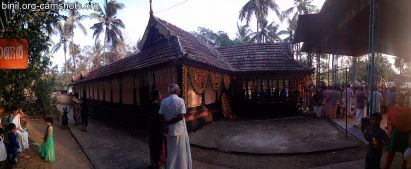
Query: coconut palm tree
x,y
64,42
73,21
243,33
109,24
260,9
268,34
300,7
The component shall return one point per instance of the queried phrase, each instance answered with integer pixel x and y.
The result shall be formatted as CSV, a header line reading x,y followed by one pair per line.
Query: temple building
x,y
215,82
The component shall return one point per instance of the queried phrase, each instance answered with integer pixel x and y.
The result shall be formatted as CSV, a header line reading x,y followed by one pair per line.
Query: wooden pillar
x,y
98,91
134,91
111,90
120,83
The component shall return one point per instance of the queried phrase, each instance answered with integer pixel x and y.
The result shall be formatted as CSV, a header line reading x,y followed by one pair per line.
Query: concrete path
x,y
110,148
296,135
347,165
68,152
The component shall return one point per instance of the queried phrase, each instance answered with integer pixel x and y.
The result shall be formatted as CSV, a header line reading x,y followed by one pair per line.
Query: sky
x,y
217,15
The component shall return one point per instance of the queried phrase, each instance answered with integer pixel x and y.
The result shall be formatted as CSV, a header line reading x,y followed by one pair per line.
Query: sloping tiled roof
x,y
183,45
198,50
160,52
262,57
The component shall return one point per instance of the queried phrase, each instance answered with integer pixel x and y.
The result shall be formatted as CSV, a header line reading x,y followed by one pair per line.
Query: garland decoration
x,y
226,106
216,79
184,83
227,81
198,78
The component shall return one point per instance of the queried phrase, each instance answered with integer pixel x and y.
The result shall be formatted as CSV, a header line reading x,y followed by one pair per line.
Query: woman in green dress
x,y
47,148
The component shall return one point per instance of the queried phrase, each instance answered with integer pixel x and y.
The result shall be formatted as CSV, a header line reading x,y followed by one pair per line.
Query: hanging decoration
x,y
164,77
226,106
227,81
198,78
216,79
184,82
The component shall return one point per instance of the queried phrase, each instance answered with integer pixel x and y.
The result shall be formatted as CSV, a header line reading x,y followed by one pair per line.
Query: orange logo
x,y
13,54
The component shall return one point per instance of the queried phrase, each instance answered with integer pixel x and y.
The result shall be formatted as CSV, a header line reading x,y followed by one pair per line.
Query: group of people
x,y
18,140
80,111
331,101
396,137
168,138
391,102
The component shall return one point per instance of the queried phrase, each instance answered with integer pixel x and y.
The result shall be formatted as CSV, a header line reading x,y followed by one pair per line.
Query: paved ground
x,y
346,165
110,148
277,136
68,152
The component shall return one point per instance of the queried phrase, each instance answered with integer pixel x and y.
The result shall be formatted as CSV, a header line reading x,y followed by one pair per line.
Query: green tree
x,y
268,34
110,25
243,34
73,21
64,42
383,69
260,9
300,7
220,38
31,25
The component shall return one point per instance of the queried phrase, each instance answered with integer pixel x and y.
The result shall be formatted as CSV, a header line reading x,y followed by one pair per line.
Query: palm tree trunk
x,y
258,15
66,67
73,56
354,65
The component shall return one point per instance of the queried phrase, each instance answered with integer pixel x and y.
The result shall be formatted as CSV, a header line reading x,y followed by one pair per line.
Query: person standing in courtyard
x,y
47,152
375,100
178,145
327,101
156,133
360,98
391,97
84,114
376,138
22,135
317,102
13,144
348,95
399,127
335,94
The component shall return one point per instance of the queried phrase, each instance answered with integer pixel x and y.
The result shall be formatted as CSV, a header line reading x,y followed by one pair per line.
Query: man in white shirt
x,y
178,145
22,135
376,101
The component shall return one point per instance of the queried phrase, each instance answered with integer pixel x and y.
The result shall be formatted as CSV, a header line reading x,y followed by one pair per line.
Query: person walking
x,y
317,101
178,145
47,152
360,98
391,97
399,127
376,98
348,95
84,114
376,138
157,138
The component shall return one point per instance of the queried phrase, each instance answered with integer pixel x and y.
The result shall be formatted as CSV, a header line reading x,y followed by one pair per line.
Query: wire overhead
x,y
171,7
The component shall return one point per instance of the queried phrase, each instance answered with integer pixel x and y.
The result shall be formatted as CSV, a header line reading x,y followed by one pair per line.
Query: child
x,y
3,152
64,121
376,138
47,148
13,144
